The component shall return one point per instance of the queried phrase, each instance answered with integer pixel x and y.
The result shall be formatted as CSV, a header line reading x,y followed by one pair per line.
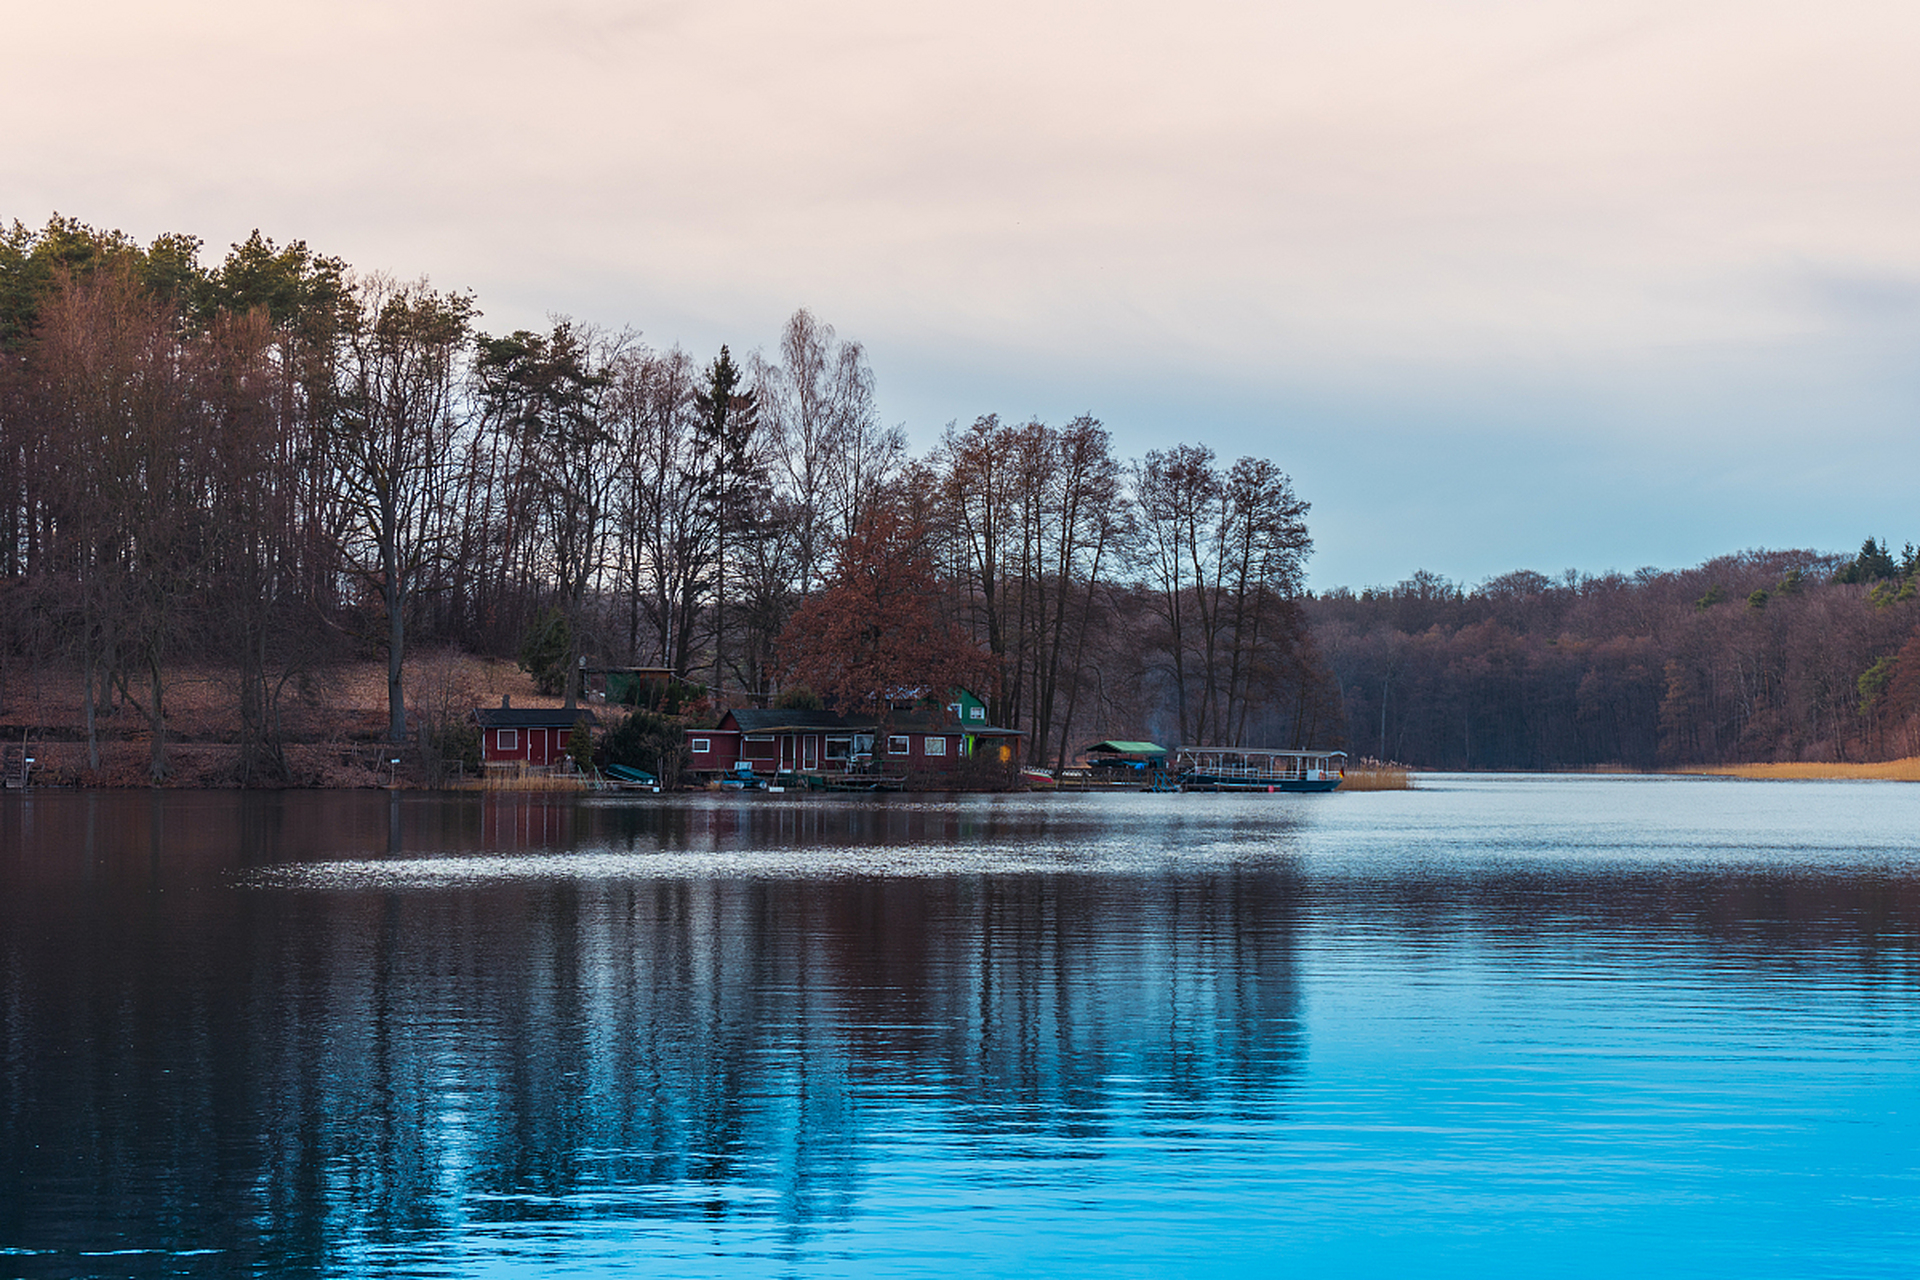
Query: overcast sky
x,y
1502,285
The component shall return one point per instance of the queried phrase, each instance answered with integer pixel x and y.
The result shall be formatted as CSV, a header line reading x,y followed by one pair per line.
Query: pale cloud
x,y
1462,234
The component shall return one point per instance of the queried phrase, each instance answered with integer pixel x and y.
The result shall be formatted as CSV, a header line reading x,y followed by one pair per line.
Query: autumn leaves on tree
x,y
878,633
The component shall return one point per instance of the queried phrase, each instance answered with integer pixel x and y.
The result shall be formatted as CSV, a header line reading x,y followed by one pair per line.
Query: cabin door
x,y
810,751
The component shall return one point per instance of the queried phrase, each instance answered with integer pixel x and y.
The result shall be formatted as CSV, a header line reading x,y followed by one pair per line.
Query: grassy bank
x,y
1907,770
332,721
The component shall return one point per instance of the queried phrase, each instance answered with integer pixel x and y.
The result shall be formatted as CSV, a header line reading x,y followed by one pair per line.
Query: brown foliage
x,y
878,630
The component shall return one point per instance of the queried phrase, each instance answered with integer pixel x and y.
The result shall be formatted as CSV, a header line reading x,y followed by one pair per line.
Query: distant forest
x,y
275,464
1762,656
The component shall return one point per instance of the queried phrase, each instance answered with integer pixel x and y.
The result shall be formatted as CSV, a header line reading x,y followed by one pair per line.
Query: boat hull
x,y
1215,782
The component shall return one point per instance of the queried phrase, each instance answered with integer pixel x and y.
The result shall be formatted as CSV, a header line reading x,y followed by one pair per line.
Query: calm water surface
x,y
1496,1026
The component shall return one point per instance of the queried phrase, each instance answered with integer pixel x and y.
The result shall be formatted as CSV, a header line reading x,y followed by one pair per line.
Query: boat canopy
x,y
1263,752
1126,749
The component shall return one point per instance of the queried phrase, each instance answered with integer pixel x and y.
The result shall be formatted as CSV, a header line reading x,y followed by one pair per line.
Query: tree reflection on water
x,y
421,1035
273,1069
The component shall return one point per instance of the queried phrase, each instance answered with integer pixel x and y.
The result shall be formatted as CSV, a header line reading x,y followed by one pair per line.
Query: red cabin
x,y
768,742
527,736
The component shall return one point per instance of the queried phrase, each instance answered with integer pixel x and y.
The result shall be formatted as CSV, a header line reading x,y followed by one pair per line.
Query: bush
x,y
451,746
580,745
645,740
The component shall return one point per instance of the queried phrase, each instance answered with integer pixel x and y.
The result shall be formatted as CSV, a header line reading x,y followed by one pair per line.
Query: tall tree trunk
x,y
396,642
156,718
93,737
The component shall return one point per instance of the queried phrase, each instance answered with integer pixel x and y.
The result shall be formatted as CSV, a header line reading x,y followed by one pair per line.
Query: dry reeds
x,y
1907,770
516,780
1368,774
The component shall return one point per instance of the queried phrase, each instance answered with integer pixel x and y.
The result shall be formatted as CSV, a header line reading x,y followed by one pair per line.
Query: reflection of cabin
x,y
526,735
750,742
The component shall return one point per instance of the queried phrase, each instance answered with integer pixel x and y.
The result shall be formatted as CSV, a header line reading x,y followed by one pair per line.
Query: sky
x,y
1500,284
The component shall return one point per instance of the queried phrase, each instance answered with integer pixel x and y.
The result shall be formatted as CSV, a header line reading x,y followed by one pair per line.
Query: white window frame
x,y
899,744
976,713
933,745
759,737
700,746
845,746
506,739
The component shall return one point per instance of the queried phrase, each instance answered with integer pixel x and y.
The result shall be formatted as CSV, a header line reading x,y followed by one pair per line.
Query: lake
x,y
1498,1025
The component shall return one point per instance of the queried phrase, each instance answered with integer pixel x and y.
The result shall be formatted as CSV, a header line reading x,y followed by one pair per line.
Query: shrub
x,y
645,740
580,745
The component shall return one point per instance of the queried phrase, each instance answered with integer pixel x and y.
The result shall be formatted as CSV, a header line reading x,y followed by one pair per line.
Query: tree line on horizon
x,y
276,464
1759,656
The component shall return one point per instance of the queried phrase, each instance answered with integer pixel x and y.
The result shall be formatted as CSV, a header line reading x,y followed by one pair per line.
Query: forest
x,y
1756,657
276,465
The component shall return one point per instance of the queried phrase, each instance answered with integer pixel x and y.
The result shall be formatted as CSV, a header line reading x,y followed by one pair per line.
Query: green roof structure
x,y
1127,749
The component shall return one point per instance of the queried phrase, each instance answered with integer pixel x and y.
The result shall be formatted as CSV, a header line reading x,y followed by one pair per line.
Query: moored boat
x,y
1256,769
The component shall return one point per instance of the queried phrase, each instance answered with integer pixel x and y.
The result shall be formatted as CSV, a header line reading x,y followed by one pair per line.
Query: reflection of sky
x,y
1593,268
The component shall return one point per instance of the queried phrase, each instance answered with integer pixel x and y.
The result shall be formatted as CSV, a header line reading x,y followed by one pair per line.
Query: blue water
x,y
1493,1026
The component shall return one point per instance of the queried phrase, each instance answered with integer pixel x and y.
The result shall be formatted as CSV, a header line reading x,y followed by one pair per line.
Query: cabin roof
x,y
1257,751
776,719
531,717
1122,748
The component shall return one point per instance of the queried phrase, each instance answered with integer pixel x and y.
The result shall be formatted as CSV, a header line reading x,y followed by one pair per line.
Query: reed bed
x,y
505,780
1377,775
1907,770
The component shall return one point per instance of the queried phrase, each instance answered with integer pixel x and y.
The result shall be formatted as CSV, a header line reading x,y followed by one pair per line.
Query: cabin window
x,y
935,746
701,746
839,748
759,737
976,713
508,740
897,745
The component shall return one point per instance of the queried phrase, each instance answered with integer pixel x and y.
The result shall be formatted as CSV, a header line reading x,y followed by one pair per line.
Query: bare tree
x,y
830,456
125,490
393,445
662,530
